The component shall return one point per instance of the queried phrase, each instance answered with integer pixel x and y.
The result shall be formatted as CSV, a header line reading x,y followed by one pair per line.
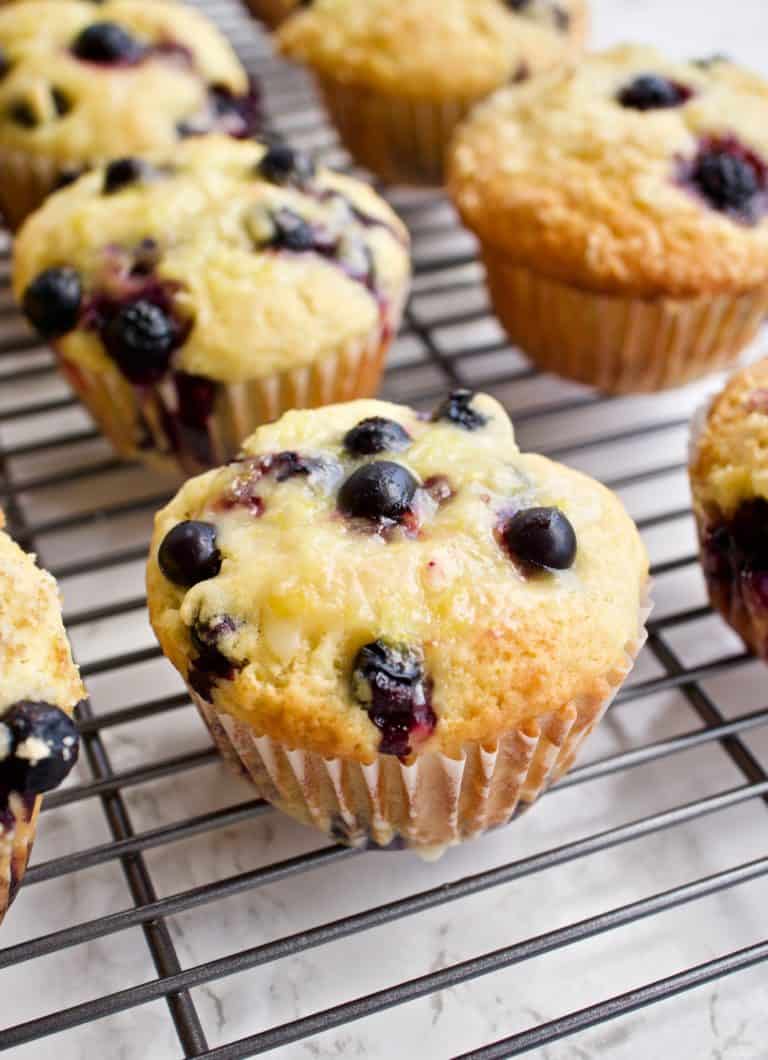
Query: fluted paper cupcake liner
x,y
25,182
270,12
17,833
399,139
729,596
615,343
239,408
433,802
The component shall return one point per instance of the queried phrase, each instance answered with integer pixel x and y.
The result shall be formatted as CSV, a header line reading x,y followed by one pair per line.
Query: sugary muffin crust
x,y
39,687
225,264
84,82
365,579
630,174
458,48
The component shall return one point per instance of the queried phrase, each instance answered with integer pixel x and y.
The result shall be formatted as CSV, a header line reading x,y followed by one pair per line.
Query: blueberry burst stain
x,y
388,680
730,177
735,560
243,491
42,745
209,664
457,409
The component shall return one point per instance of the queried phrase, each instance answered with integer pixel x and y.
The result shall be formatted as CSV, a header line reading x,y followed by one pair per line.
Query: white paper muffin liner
x,y
353,372
15,847
620,344
433,802
399,139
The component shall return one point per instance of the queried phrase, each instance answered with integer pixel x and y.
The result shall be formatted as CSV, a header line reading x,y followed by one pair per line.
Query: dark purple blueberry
x,y
43,745
376,435
62,103
21,112
209,663
457,408
106,42
379,491
542,537
283,165
388,680
189,553
291,232
288,464
140,338
730,177
748,533
52,301
653,92
122,172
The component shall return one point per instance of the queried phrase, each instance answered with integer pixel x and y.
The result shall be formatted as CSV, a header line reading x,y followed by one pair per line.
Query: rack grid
x,y
696,691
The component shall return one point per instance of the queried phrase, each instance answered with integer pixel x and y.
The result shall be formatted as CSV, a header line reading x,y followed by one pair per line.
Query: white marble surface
x,y
727,1020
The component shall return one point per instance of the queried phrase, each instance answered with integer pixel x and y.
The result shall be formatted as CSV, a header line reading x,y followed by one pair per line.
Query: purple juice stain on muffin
x,y
209,665
239,116
389,681
243,491
729,177
734,555
653,92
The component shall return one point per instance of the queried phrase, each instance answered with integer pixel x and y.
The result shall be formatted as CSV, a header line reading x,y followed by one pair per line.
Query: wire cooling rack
x,y
168,913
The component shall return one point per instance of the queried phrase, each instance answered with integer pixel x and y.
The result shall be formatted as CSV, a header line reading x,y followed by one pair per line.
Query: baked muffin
x,y
729,481
39,688
396,78
83,83
401,626
191,300
273,12
622,211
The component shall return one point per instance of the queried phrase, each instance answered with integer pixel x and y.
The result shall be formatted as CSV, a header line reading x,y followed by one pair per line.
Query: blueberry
x,y
237,116
21,112
289,464
376,435
542,537
291,232
382,490
282,164
106,42
388,680
729,178
189,553
140,337
652,92
52,301
210,664
43,746
122,172
457,408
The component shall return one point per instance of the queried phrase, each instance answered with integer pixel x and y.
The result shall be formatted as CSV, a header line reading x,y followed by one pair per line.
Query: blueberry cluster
x,y
39,745
389,681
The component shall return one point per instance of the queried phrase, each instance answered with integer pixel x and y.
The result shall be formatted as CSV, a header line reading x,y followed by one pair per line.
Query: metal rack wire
x,y
87,516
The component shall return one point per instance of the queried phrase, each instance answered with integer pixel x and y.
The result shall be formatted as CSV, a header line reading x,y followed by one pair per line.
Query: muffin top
x,y
84,82
227,260
39,683
367,579
730,454
631,173
416,47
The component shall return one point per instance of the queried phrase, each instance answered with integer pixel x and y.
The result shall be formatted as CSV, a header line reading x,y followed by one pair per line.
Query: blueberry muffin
x,y
401,626
81,84
622,212
39,688
191,299
729,481
396,78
